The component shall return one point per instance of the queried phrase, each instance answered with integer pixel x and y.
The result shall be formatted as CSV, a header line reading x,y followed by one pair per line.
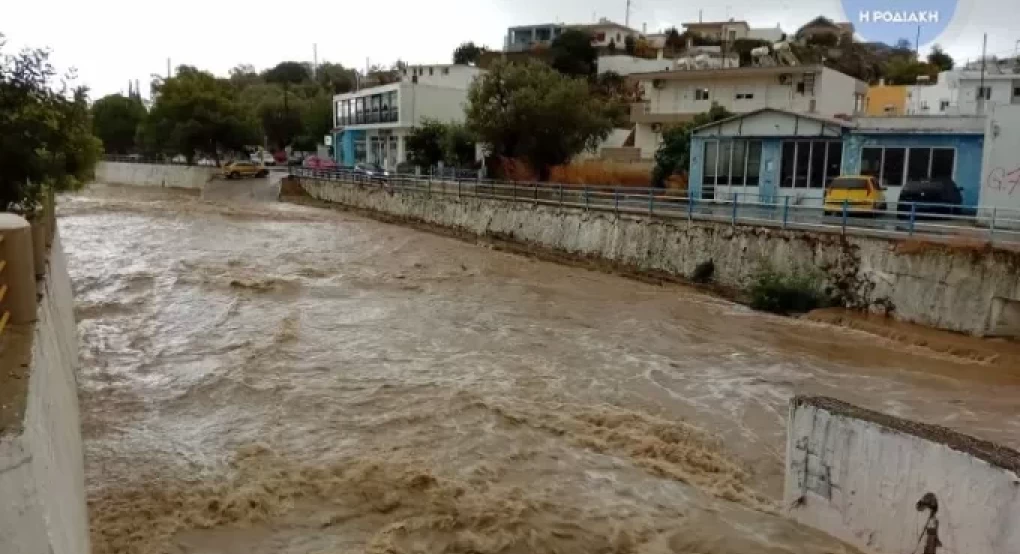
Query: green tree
x,y
280,123
425,144
940,59
467,54
629,44
316,120
674,153
195,113
45,133
530,111
335,78
674,41
244,75
290,73
572,53
458,146
115,120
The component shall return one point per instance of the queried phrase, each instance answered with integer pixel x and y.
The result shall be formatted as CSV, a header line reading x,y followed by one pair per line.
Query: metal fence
x,y
939,222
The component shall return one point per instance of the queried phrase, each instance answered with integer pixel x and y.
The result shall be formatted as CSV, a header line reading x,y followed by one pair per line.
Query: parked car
x,y
930,197
262,157
243,168
316,162
372,171
861,194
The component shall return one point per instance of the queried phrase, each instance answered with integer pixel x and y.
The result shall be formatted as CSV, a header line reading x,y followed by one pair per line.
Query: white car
x,y
263,158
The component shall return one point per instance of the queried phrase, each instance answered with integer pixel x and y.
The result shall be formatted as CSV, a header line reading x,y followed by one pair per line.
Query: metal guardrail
x,y
940,222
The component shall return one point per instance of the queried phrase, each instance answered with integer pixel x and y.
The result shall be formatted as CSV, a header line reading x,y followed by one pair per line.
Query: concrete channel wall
x,y
42,480
154,175
975,292
858,475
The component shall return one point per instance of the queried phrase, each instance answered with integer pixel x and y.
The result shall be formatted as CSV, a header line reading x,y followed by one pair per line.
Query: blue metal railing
x,y
986,224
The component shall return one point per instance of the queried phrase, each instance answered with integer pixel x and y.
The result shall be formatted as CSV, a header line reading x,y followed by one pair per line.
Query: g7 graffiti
x,y
1001,180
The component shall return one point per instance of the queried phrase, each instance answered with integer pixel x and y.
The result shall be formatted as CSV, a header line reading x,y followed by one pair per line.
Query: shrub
x,y
796,292
601,173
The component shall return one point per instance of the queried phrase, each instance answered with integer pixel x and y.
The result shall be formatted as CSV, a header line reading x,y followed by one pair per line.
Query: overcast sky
x,y
112,41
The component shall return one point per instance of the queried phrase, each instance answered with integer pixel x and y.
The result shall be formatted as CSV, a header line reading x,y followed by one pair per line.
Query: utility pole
x,y
626,20
168,68
315,59
917,43
981,89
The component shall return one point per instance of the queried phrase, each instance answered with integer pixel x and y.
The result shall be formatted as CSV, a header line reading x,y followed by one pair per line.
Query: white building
x,y
962,92
605,32
370,125
673,97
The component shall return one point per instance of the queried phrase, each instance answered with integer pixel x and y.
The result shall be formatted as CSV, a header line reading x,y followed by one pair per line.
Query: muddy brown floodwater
x,y
278,378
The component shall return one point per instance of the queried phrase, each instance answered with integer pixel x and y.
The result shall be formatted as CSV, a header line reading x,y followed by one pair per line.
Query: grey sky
x,y
111,41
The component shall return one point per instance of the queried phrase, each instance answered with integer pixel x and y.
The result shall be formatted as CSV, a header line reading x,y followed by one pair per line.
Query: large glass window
x,y
834,162
753,162
919,164
809,163
894,167
733,162
711,159
942,162
871,162
786,164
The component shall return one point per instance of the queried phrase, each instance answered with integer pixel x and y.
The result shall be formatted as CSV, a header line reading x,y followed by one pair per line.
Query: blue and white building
x,y
370,125
769,154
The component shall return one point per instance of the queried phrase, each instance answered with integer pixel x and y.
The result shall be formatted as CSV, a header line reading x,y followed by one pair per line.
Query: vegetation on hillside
x,y
674,153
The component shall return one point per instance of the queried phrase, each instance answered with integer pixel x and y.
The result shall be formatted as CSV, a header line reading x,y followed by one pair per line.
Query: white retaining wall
x,y
857,475
42,479
937,287
154,175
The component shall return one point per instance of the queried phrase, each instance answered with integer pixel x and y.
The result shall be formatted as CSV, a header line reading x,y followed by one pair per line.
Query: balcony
x,y
641,112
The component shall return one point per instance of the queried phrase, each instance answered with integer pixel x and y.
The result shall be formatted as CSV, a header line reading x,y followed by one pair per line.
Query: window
x,y
1016,93
618,38
984,93
732,35
600,37
943,105
446,71
745,96
711,162
732,162
431,70
801,87
871,162
919,164
753,162
942,162
894,167
701,94
810,163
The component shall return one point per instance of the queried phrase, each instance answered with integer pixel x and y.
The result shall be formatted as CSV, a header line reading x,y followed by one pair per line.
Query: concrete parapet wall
x,y
42,476
933,285
858,475
154,175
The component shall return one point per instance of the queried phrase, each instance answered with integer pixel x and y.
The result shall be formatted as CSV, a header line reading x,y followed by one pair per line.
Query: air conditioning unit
x,y
656,127
785,78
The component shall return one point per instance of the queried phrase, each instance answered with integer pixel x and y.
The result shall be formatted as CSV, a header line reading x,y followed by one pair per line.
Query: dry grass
x,y
602,173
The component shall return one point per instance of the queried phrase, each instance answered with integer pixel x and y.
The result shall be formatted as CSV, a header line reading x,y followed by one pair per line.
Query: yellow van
x,y
861,193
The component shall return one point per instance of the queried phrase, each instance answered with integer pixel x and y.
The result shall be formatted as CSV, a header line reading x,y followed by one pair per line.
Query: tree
x,y
280,123
288,73
572,53
45,133
629,44
940,59
458,146
195,113
611,47
673,40
467,54
904,44
424,144
244,75
115,120
335,78
674,153
530,111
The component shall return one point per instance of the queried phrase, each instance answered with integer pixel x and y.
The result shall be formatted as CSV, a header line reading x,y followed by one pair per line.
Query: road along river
x,y
274,378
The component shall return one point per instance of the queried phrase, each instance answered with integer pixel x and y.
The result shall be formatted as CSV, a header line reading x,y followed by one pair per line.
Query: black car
x,y
371,172
931,197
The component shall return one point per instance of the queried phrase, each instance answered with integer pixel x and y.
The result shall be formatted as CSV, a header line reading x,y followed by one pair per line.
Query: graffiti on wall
x,y
1001,180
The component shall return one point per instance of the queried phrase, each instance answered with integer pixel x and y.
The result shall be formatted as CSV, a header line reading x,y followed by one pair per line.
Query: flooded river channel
x,y
275,378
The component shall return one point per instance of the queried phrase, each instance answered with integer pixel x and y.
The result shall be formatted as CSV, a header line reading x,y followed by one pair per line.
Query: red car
x,y
315,162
